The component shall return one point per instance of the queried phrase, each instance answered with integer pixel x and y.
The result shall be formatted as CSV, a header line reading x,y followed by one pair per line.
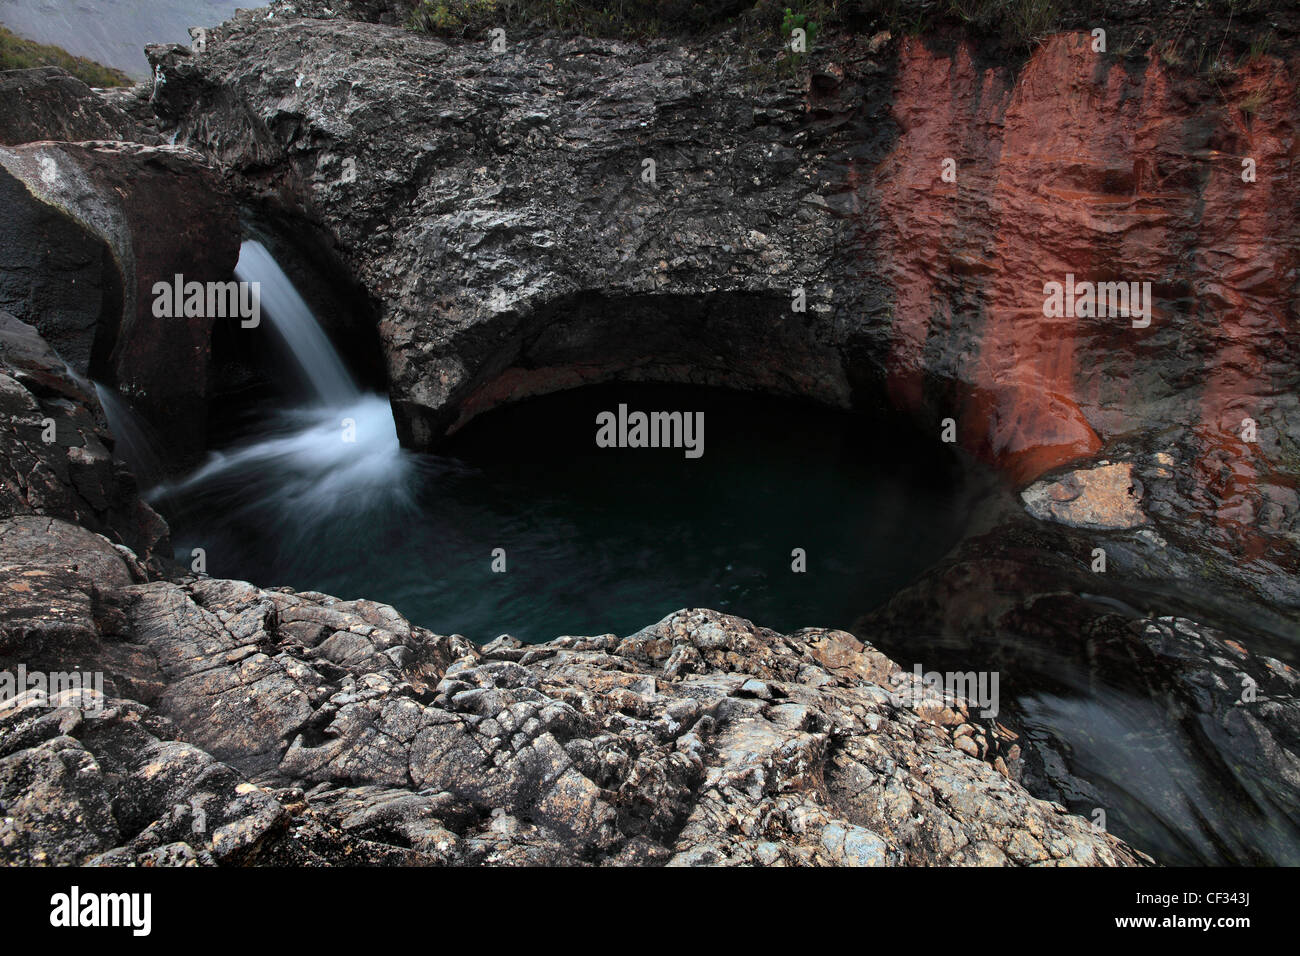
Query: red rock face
x,y
1245,274
1111,171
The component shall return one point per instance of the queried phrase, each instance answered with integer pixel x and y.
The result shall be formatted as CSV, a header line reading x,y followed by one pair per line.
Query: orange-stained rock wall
x,y
1113,170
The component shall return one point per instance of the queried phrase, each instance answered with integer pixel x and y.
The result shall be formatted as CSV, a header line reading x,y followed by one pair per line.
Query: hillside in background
x,y
113,32
17,53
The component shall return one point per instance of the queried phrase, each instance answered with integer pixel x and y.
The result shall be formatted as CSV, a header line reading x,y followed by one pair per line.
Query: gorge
x,y
334,564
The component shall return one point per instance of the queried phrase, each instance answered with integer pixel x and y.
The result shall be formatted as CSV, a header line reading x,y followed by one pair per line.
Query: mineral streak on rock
x,y
517,252
1089,165
1245,283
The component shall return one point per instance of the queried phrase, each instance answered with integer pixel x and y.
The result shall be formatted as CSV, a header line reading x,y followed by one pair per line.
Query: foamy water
x,y
340,454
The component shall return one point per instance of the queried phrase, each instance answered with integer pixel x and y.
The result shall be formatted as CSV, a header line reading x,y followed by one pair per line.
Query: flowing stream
x,y
292,321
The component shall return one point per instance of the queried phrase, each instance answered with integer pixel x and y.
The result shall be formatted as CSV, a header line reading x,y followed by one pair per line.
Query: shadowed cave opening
x,y
748,341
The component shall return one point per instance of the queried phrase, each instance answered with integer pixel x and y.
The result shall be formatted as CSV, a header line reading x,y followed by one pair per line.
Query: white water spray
x,y
307,465
292,321
133,441
340,455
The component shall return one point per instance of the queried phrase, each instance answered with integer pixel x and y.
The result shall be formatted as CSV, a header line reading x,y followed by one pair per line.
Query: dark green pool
x,y
594,539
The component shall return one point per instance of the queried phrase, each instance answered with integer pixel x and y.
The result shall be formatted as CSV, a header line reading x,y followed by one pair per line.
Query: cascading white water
x,y
291,319
312,462
340,454
133,442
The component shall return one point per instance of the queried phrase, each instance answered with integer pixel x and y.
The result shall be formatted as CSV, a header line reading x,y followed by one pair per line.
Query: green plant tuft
x,y
19,53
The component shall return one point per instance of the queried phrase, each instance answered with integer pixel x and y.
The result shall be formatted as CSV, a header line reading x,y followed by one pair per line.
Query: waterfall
x,y
338,456
292,321
133,442
310,461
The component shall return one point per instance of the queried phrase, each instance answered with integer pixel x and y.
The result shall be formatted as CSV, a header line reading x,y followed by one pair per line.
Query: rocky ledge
x,y
241,725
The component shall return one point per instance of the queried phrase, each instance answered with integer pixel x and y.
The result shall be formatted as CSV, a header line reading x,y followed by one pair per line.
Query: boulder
x,y
47,103
56,458
120,217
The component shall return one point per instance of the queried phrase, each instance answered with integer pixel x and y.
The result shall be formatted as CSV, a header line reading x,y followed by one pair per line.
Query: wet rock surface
x,y
121,217
1187,726
56,455
297,728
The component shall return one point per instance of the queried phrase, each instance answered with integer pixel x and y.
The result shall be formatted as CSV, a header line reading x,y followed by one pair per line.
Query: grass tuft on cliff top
x,y
1016,21
1240,28
17,53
